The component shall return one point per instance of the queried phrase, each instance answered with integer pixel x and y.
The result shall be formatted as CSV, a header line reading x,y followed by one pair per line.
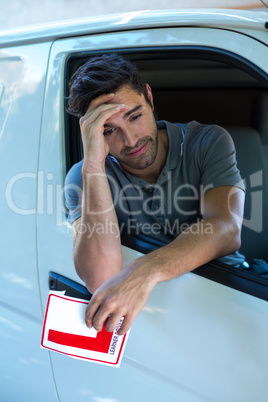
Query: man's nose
x,y
129,139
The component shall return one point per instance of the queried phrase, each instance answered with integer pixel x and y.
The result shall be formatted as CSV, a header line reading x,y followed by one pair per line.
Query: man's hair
x,y
102,75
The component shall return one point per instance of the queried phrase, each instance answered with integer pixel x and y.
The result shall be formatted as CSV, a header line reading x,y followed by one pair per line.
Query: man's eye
x,y
109,132
136,117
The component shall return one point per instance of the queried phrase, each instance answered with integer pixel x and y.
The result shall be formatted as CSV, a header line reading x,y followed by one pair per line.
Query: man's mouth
x,y
138,151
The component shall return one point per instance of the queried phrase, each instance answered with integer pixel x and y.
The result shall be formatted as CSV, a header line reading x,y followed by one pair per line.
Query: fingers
x,y
100,310
91,310
99,101
100,114
95,104
99,105
107,313
126,324
113,321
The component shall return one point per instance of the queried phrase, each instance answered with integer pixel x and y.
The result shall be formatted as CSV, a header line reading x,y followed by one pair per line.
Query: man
x,y
175,182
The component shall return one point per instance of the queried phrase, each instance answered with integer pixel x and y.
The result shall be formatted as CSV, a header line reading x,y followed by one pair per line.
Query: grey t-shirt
x,y
200,157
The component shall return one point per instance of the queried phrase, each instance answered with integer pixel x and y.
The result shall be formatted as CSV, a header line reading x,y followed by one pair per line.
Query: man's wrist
x,y
92,167
150,270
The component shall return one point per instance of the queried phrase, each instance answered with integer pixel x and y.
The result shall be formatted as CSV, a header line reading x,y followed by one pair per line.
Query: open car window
x,y
211,87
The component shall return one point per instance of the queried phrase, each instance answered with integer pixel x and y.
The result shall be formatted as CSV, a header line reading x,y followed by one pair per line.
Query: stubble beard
x,y
145,160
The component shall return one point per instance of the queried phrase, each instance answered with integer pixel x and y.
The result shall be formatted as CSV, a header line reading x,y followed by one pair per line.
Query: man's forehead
x,y
125,115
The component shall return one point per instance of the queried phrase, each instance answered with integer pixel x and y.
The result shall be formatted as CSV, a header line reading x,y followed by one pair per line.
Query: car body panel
x,y
23,74
24,368
195,339
143,19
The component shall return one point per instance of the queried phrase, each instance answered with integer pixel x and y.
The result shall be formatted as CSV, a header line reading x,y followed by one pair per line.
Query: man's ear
x,y
150,95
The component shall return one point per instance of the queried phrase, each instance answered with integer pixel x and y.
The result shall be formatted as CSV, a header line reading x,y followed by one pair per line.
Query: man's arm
x,y
217,235
97,246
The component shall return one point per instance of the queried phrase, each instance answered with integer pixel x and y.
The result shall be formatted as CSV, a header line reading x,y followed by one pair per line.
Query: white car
x,y
201,337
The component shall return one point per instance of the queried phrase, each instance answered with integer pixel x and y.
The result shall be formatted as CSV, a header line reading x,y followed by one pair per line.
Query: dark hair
x,y
102,75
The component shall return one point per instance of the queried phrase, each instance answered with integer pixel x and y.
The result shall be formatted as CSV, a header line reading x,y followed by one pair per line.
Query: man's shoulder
x,y
203,133
74,174
194,136
192,127
201,128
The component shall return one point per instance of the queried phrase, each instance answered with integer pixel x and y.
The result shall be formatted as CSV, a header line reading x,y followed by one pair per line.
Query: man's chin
x,y
137,164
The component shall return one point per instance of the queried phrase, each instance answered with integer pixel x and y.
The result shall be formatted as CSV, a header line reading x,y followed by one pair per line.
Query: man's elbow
x,y
84,271
94,274
237,243
235,237
79,266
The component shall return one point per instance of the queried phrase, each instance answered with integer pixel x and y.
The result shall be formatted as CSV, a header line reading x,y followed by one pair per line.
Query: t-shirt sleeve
x,y
217,160
73,192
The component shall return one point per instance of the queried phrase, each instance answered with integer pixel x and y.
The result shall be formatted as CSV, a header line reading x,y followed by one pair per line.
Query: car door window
x,y
215,88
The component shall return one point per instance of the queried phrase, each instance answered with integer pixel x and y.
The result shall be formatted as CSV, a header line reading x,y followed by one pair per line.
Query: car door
x,y
196,339
25,371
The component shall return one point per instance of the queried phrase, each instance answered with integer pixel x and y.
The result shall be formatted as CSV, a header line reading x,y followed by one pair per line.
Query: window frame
x,y
241,280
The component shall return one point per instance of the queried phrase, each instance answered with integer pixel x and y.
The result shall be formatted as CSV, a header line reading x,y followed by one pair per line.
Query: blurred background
x,y
18,13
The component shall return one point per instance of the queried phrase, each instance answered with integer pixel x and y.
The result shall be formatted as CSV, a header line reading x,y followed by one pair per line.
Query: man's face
x,y
132,134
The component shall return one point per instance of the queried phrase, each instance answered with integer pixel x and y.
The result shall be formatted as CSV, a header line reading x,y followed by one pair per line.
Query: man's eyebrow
x,y
127,114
